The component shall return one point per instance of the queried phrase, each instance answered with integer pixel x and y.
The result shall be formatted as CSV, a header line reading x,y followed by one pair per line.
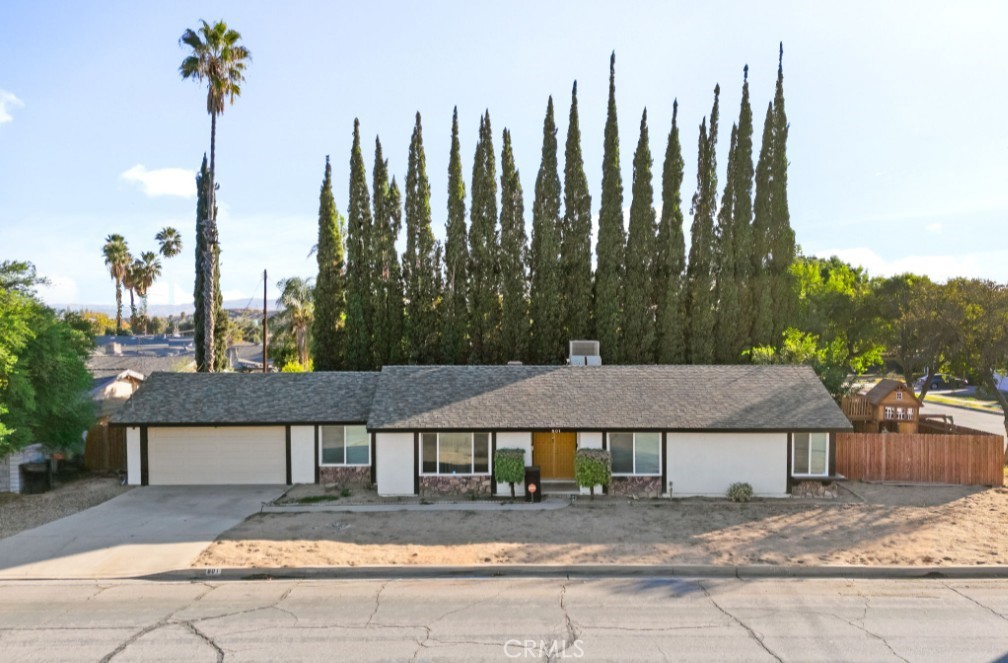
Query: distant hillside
x,y
162,310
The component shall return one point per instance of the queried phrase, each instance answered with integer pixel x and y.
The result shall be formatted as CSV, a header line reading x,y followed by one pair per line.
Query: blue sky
x,y
897,145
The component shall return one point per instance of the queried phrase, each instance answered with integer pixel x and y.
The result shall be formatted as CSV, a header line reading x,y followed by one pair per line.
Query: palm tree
x,y
170,242
148,269
220,60
130,281
117,259
297,299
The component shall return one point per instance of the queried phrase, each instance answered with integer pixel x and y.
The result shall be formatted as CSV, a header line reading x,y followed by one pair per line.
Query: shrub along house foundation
x,y
432,430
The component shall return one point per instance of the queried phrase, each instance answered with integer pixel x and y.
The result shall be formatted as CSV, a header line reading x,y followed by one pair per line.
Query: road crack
x,y
975,602
377,603
752,634
207,639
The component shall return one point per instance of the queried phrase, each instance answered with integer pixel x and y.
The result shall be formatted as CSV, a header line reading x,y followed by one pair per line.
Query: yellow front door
x,y
553,452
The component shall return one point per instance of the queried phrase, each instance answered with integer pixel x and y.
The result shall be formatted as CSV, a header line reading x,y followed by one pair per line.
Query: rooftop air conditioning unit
x,y
584,353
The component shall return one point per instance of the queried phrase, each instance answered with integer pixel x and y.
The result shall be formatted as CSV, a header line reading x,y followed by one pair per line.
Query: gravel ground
x,y
21,512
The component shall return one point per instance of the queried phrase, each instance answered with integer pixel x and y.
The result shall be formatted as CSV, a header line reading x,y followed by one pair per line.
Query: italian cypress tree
x,y
544,261
359,311
199,332
330,286
454,336
422,260
639,281
700,270
726,291
221,321
513,260
387,277
742,220
760,283
611,237
575,236
781,239
484,253
671,255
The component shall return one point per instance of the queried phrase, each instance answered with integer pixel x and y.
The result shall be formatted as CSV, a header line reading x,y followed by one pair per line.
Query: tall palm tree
x,y
148,269
117,259
297,299
130,280
170,243
220,60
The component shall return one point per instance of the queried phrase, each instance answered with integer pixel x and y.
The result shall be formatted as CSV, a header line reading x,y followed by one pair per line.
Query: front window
x,y
344,445
809,453
635,453
455,453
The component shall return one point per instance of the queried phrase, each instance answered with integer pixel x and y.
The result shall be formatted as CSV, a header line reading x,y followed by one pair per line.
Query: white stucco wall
x,y
707,463
133,456
513,440
590,440
302,454
395,463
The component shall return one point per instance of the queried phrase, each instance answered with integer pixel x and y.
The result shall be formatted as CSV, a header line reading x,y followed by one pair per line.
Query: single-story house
x,y
419,430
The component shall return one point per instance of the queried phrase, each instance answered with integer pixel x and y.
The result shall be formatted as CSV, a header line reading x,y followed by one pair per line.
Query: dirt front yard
x,y
873,525
21,512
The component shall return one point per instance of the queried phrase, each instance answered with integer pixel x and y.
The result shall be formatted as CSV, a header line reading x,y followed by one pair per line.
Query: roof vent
x,y
584,353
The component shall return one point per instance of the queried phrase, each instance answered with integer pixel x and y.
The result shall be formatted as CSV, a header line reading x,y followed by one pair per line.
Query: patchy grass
x,y
315,499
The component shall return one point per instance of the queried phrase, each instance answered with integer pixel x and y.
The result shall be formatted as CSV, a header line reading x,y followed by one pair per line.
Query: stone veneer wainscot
x,y
348,475
475,485
636,486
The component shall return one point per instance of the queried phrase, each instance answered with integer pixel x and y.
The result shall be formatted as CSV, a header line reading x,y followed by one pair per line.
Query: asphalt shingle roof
x,y
252,398
876,394
779,398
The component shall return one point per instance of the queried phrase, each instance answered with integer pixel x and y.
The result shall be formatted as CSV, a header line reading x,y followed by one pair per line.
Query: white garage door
x,y
224,455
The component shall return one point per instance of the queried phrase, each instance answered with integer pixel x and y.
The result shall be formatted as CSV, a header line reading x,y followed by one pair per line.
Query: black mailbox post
x,y
533,487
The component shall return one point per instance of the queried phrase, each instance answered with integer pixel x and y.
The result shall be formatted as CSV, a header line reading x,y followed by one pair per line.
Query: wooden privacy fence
x,y
105,448
976,460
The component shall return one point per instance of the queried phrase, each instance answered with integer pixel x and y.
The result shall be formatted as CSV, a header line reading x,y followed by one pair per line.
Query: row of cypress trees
x,y
490,294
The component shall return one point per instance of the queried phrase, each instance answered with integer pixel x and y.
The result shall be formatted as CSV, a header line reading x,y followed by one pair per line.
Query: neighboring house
x,y
109,393
141,354
418,430
887,406
246,357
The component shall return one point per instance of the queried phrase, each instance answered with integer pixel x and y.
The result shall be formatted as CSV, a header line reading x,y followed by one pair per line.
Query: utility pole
x,y
265,342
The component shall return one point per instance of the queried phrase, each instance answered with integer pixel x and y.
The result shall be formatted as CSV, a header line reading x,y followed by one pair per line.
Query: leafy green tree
x,y
575,236
147,270
118,261
700,270
726,287
671,255
359,309
454,331
330,285
742,221
515,324
220,324
781,237
611,245
639,283
484,254
546,345
44,381
422,260
388,327
169,242
217,58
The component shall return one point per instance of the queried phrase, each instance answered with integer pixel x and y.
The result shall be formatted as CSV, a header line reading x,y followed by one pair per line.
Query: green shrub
x,y
509,467
592,467
345,492
740,492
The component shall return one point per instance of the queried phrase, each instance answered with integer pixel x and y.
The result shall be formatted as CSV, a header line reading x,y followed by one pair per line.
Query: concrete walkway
x,y
145,531
336,507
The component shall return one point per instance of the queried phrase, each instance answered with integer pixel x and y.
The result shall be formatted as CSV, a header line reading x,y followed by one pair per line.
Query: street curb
x,y
959,406
754,571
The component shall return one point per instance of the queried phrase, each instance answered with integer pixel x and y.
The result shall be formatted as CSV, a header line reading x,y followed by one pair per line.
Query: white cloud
x,y
989,264
163,181
61,290
933,228
8,101
170,293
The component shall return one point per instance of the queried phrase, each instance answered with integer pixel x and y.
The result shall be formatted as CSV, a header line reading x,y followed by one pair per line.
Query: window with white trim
x,y
899,395
635,453
809,454
455,453
344,445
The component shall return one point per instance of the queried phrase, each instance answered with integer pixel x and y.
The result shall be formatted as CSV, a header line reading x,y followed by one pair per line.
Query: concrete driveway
x,y
147,530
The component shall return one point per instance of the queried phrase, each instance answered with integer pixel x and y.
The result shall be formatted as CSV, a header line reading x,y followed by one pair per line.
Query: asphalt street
x,y
502,619
992,423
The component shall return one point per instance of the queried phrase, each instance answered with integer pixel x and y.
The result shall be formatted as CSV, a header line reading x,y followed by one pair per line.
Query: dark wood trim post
x,y
144,457
416,463
318,473
287,451
490,465
664,463
790,480
831,455
605,447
